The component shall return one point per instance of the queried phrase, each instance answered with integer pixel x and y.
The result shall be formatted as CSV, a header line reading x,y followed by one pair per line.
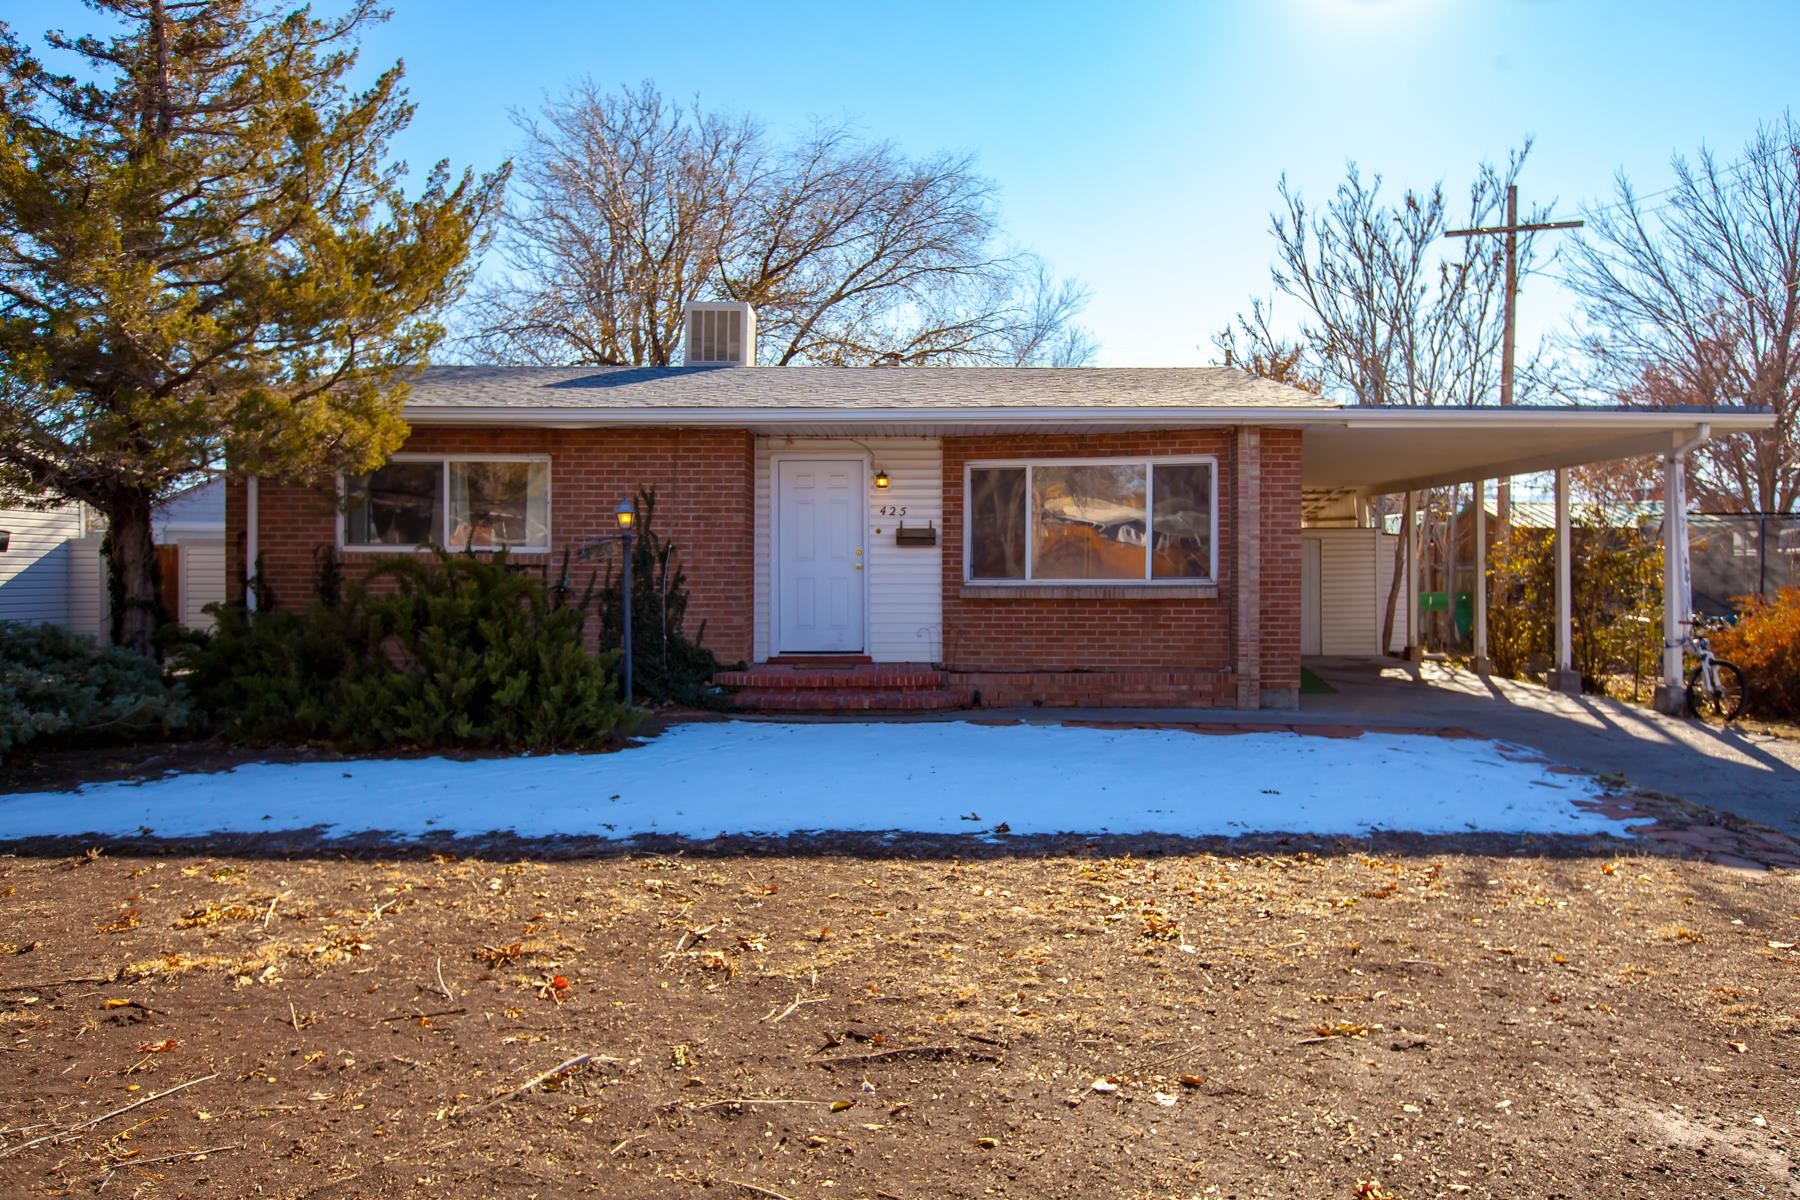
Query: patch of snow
x,y
742,777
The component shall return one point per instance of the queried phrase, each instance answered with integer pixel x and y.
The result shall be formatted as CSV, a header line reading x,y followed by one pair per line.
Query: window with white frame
x,y
457,503
1112,521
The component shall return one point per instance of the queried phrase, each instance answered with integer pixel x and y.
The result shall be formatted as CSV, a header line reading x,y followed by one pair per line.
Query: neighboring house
x,y
190,538
51,571
1013,535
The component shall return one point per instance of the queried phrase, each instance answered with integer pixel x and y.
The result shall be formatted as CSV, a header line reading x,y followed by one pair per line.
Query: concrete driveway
x,y
1751,775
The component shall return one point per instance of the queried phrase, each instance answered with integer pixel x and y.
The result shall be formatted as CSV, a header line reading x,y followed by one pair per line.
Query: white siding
x,y
34,571
1355,568
89,602
905,583
202,579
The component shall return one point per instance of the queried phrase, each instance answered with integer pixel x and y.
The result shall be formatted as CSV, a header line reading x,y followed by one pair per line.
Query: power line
x,y
1510,231
1637,202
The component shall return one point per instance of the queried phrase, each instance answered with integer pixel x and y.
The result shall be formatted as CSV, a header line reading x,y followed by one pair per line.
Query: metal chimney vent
x,y
720,334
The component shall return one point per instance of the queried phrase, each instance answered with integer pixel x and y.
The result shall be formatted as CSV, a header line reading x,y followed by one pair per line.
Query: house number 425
x,y
893,510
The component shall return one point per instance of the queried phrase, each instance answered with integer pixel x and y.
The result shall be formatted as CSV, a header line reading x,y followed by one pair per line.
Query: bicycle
x,y
1714,686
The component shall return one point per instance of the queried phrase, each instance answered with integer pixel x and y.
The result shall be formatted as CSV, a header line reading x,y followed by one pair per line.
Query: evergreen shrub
x,y
426,652
58,686
668,666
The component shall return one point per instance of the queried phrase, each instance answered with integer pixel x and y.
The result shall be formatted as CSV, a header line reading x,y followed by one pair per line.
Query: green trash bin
x,y
1464,616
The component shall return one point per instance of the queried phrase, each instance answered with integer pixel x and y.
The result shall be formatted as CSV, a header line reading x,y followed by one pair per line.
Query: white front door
x,y
1311,586
819,560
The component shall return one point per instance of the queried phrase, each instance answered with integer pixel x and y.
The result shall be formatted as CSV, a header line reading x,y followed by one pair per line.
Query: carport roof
x,y
1372,451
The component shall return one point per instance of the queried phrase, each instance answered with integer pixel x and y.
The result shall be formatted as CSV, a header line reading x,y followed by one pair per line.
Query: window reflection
x,y
494,504
402,504
997,523
1089,522
1141,522
1182,546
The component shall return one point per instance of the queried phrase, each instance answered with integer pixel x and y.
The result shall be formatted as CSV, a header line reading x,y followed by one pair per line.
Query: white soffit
x,y
1396,454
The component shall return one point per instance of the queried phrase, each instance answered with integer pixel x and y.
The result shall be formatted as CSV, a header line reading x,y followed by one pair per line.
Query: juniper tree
x,y
208,257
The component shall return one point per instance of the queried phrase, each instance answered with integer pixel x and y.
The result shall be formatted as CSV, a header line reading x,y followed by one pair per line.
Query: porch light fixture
x,y
5,540
881,476
626,513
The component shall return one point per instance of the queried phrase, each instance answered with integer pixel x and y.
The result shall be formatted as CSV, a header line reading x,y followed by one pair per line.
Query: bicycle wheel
x,y
1734,693
1728,702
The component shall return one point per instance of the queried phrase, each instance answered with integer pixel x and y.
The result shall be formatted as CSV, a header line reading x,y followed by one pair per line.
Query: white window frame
x,y
1149,462
444,461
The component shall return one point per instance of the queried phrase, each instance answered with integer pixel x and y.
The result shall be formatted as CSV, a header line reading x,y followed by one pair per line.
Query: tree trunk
x,y
131,567
1394,586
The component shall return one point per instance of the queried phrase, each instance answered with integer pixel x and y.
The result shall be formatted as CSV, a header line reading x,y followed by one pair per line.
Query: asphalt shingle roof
x,y
836,388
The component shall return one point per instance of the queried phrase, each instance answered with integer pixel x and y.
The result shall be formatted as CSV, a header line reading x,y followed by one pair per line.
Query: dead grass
x,y
1420,1024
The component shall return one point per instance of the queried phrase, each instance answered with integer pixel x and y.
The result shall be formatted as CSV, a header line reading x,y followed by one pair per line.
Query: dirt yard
x,y
1332,1019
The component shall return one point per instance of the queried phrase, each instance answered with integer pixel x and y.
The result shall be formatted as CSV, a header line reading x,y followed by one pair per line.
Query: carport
x,y
1370,452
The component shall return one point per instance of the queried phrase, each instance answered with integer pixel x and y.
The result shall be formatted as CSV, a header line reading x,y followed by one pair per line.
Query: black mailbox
x,y
916,535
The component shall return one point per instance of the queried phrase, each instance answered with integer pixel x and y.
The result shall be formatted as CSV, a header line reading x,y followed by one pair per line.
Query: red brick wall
x,y
1031,633
702,480
1280,584
1136,634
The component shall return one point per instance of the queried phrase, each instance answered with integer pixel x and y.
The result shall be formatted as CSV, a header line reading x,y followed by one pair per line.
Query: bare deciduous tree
x,y
1696,300
627,205
1251,346
1389,312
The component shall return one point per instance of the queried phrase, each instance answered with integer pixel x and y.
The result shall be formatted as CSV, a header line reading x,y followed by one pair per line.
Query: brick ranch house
x,y
934,537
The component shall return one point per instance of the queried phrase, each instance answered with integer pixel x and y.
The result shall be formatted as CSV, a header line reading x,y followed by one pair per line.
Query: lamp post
x,y
626,516
589,547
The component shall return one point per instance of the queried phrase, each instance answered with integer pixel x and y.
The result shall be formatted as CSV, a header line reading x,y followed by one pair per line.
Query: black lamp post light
x,y
626,516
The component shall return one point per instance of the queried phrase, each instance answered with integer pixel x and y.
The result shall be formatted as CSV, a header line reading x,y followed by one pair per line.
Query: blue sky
x,y
1137,145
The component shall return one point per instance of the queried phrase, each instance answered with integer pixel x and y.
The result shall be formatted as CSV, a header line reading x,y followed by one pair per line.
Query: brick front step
x,y
1096,689
896,677
814,700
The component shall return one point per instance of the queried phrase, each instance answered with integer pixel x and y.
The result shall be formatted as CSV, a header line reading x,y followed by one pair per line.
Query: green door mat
x,y
1312,685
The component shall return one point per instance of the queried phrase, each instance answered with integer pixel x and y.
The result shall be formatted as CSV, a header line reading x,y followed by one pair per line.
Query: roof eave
x,y
1161,416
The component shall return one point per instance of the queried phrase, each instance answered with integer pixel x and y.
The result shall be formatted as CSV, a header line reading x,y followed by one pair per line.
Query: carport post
x,y
1481,663
1671,692
1563,677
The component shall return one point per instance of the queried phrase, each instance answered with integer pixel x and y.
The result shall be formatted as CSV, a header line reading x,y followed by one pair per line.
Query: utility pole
x,y
1511,230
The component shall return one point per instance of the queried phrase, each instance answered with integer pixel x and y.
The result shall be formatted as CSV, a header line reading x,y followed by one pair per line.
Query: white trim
x,y
446,460
1148,461
1564,583
1480,586
864,460
1162,415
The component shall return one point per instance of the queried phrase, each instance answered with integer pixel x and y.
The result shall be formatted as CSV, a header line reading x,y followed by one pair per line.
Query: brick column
x,y
1278,587
1246,528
